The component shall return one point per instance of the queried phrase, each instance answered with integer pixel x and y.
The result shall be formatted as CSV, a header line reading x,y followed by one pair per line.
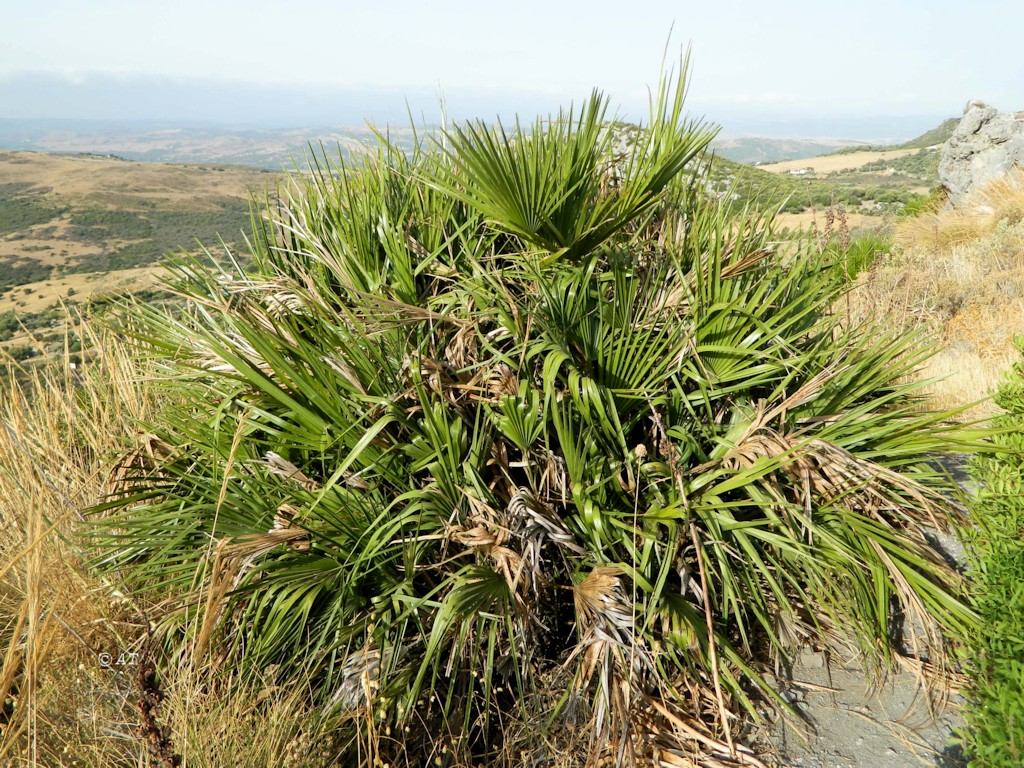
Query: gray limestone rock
x,y
985,146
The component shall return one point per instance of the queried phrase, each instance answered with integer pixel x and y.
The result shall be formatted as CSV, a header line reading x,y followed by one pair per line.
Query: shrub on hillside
x,y
508,447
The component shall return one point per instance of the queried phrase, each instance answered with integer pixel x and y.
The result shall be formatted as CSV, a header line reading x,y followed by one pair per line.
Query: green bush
x,y
503,446
9,325
21,353
995,709
24,211
922,164
19,271
922,204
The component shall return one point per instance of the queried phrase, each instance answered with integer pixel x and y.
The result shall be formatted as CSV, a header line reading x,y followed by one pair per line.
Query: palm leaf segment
x,y
519,429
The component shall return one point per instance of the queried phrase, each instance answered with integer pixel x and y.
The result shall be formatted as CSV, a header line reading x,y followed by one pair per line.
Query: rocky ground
x,y
855,724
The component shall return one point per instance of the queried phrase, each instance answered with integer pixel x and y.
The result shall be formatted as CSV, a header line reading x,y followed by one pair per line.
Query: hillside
x,y
869,182
758,149
194,143
868,193
931,138
74,229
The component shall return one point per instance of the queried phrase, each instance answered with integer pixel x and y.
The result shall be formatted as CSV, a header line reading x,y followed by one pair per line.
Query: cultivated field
x,y
830,163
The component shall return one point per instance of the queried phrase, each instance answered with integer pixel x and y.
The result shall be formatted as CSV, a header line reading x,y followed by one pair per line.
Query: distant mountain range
x,y
182,142
176,120
277,148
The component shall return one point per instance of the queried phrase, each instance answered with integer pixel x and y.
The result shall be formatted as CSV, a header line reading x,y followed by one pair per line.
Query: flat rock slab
x,y
857,725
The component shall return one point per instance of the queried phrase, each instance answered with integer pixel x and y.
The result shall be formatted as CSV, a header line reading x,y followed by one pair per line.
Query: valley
x,y
79,229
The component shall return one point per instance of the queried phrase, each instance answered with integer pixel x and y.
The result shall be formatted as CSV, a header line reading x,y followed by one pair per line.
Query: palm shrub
x,y
520,442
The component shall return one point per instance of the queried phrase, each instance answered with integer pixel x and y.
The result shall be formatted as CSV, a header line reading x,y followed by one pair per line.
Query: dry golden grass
x,y
958,278
58,428
1001,200
71,644
808,220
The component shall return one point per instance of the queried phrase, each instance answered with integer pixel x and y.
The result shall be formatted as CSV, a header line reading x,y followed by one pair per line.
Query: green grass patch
x,y
16,271
923,164
858,254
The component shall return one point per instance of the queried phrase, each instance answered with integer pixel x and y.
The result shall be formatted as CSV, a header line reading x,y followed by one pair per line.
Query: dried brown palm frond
x,y
283,302
554,479
598,600
437,376
206,357
485,532
535,524
477,534
151,452
869,486
343,369
503,381
612,656
248,549
360,679
379,314
540,522
280,466
827,472
279,296
677,739
463,348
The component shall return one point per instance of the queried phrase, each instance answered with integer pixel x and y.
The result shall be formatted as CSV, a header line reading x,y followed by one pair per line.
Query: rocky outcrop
x,y
985,146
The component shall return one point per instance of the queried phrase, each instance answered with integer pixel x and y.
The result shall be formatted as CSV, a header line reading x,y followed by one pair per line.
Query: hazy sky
x,y
806,57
